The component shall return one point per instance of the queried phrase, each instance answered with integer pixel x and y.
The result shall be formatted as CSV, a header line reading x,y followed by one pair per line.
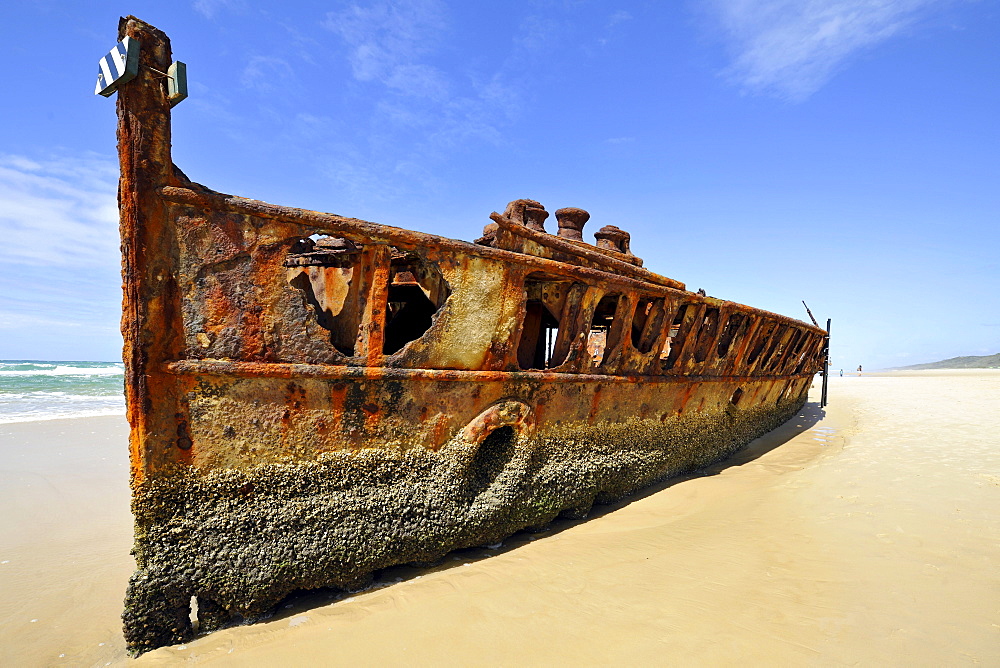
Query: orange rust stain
x,y
372,414
685,397
338,396
540,410
440,433
595,405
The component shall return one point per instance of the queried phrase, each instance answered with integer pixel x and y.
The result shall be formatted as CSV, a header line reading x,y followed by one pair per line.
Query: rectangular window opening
x,y
600,328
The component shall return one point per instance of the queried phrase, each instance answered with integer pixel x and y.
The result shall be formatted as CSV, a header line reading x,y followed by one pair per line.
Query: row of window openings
x,y
417,290
537,349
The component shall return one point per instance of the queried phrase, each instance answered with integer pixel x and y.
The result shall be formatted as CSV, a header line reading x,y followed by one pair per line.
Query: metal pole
x,y
810,313
826,366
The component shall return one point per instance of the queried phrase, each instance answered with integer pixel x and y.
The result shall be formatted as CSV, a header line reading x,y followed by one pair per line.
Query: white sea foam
x,y
50,389
32,406
114,370
11,418
8,398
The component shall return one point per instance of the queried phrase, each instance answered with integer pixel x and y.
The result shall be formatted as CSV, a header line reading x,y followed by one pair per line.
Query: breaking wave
x,y
41,390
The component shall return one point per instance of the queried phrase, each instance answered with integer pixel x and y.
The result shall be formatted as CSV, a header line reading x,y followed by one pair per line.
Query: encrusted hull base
x,y
242,540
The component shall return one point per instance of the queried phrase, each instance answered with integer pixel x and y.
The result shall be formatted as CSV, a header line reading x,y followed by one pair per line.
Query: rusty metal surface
x,y
303,384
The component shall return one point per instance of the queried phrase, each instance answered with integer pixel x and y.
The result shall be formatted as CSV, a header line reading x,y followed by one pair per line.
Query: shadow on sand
x,y
304,601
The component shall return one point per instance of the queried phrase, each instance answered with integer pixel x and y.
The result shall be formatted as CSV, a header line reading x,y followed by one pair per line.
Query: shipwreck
x,y
313,398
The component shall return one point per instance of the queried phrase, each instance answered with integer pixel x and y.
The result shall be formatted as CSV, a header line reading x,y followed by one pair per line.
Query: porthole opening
x,y
647,323
538,347
600,328
706,334
729,332
538,336
678,331
763,336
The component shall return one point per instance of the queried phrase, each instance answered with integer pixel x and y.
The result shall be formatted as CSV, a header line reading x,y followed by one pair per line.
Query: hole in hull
x,y
329,272
323,269
417,291
409,312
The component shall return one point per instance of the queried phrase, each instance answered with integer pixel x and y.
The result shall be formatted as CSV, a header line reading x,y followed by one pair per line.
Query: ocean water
x,y
40,390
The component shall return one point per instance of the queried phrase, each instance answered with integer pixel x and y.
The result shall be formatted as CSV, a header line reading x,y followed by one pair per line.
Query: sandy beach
x,y
863,534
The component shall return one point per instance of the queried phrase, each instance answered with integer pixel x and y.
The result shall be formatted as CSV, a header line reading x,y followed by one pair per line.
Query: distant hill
x,y
973,362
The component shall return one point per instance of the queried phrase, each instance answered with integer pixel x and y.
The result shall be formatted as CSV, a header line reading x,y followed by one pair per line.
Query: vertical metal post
x,y
826,366
152,324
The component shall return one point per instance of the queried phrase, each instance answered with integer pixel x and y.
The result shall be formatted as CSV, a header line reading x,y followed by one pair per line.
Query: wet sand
x,y
864,534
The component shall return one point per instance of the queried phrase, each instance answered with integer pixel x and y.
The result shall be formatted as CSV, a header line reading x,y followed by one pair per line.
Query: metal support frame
x,y
826,366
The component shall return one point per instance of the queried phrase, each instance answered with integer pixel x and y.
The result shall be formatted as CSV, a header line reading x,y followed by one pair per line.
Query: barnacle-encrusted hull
x,y
313,398
241,539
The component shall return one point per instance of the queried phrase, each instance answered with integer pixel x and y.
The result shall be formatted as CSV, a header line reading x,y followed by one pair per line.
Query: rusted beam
x,y
151,303
373,285
826,365
332,372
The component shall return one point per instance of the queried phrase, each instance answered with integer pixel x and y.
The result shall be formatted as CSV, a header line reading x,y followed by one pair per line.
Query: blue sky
x,y
845,152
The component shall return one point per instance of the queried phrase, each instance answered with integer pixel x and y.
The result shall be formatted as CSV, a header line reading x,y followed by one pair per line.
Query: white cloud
x,y
60,295
387,38
209,8
60,212
391,47
21,321
419,80
537,34
620,16
614,26
268,74
790,48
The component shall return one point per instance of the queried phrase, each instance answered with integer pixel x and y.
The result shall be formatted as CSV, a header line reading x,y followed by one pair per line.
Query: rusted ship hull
x,y
313,398
240,538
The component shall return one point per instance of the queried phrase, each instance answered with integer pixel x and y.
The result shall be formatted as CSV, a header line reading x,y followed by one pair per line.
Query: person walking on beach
x,y
859,369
